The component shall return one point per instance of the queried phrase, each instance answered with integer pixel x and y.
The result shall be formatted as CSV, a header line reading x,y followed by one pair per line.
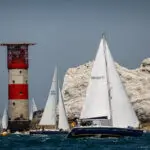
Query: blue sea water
x,y
60,142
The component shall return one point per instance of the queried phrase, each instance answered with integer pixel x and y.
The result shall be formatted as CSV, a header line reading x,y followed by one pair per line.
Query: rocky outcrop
x,y
136,82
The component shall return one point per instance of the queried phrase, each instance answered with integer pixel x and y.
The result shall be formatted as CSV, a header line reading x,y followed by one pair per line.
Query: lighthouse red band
x,y
17,62
18,91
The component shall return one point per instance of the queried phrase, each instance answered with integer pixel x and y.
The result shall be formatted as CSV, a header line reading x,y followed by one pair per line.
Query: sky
x,y
67,33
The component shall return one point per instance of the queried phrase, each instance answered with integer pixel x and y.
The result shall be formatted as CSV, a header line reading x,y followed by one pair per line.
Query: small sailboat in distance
x,y
34,106
5,120
106,105
4,123
33,109
48,122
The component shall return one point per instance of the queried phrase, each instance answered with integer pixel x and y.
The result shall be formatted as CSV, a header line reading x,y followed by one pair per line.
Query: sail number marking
x,y
97,77
53,92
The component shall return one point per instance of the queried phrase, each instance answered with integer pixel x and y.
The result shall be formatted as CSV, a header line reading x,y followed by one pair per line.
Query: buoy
x,y
73,124
4,133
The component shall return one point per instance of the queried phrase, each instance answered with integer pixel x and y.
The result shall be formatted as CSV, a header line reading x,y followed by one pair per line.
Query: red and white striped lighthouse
x,y
17,62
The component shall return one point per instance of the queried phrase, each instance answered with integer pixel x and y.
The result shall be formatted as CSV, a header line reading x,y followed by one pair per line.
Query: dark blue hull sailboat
x,y
104,132
106,103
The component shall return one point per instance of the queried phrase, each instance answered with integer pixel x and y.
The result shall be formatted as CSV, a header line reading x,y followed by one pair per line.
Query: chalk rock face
x,y
136,82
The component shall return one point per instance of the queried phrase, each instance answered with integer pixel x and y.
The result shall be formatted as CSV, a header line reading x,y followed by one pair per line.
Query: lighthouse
x,y
18,106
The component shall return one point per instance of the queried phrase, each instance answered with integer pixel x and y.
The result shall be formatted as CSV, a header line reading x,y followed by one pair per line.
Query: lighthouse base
x,y
21,125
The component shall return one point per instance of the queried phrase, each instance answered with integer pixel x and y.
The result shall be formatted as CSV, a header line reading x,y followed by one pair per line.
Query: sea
x,y
60,142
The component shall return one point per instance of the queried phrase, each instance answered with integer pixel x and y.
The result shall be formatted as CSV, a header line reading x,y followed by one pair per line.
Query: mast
x,y
57,97
108,83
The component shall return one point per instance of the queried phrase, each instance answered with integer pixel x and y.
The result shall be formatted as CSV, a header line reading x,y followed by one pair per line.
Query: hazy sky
x,y
67,32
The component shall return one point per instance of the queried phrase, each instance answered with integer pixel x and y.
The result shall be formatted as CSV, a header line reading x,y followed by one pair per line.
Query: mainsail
x,y
96,104
63,121
5,119
49,114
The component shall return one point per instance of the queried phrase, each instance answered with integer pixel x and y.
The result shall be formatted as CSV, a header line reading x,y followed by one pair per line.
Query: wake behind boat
x,y
48,122
106,105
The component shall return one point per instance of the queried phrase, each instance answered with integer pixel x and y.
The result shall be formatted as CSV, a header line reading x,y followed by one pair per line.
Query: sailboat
x,y
49,122
5,120
32,109
106,105
4,124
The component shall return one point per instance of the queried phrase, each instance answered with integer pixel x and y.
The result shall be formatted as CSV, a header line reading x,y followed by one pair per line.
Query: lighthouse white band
x,y
18,76
18,109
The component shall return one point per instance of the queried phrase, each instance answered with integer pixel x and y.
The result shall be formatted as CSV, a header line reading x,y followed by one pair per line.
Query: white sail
x,y
63,121
49,114
122,111
34,105
33,108
31,114
96,104
5,119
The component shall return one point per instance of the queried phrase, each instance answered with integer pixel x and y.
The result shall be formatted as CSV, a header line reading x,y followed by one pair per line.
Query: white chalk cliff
x,y
136,82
